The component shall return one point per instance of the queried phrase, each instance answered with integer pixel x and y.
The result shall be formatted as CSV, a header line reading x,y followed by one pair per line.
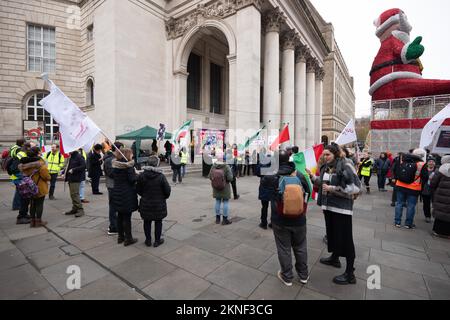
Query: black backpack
x,y
406,172
11,165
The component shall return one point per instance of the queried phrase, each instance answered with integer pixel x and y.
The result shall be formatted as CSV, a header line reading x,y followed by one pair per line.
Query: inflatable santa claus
x,y
397,71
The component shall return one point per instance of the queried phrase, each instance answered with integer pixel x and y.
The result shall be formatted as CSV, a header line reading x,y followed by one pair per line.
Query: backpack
x,y
292,203
406,172
11,165
218,180
27,188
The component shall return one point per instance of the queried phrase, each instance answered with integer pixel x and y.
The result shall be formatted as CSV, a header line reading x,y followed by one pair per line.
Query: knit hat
x,y
420,153
386,20
445,159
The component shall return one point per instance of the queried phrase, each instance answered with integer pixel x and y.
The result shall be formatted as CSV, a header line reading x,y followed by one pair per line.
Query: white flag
x,y
76,128
432,127
348,135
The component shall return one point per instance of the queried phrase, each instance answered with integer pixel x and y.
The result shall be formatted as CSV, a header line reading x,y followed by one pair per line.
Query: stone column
x,y
271,107
310,101
288,80
320,74
300,97
180,107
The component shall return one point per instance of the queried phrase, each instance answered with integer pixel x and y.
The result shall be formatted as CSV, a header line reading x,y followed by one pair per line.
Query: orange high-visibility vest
x,y
417,184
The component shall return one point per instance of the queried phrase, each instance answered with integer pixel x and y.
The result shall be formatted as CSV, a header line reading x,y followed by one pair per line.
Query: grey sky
x,y
355,35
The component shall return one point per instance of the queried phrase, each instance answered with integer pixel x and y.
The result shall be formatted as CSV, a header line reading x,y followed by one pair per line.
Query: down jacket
x,y
154,189
440,184
39,171
123,194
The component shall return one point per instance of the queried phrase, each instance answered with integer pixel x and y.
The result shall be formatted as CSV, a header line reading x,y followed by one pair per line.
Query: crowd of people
x,y
286,188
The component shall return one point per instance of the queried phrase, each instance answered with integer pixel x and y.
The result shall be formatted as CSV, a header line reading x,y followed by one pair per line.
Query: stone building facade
x,y
228,64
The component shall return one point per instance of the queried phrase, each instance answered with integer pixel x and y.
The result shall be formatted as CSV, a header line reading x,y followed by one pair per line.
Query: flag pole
x,y
106,136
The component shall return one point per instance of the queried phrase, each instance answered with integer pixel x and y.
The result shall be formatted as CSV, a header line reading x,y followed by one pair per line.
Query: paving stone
x,y
111,255
210,243
106,288
197,261
439,256
308,294
404,249
20,282
48,257
367,242
169,288
386,293
73,235
438,244
321,280
27,232
39,243
447,268
217,293
273,289
169,245
249,256
11,258
57,274
44,294
405,281
237,278
78,222
439,290
90,243
400,236
408,263
93,223
180,232
142,270
70,250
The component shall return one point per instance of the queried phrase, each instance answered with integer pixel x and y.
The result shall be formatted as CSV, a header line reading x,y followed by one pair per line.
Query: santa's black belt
x,y
390,63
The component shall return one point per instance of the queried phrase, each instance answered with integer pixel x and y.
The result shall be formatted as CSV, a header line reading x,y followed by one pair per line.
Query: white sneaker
x,y
304,281
289,284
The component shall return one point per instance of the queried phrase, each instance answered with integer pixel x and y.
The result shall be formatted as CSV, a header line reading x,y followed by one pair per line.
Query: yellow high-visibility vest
x,y
55,162
366,171
184,158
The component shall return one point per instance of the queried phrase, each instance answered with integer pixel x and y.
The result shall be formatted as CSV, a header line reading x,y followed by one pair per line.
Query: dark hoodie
x,y
78,165
286,169
154,190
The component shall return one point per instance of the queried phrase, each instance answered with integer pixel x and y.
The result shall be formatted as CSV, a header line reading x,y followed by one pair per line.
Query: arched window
x,y
90,93
35,112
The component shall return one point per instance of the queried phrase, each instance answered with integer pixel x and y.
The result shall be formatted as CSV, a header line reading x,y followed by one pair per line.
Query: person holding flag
x,y
55,162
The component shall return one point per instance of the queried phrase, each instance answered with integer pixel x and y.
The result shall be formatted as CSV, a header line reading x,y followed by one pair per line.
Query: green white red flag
x,y
182,132
282,138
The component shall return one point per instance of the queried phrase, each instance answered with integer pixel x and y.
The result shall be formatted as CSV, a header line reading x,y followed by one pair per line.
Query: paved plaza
x,y
201,260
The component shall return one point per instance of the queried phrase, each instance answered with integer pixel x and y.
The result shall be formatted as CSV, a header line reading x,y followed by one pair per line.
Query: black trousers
x,y
148,229
264,211
427,206
37,207
177,173
124,225
247,168
234,187
23,211
53,176
381,181
95,183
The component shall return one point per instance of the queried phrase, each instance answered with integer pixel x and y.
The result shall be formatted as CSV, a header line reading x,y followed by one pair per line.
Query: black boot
x,y
368,190
217,219
225,221
158,243
346,278
331,261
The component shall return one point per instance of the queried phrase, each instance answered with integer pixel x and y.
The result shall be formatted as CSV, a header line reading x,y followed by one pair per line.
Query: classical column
x,y
180,106
271,107
310,101
300,97
288,80
320,74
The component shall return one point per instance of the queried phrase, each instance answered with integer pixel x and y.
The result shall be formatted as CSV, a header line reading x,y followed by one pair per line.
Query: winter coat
x,y
391,164
382,166
224,194
78,165
423,174
440,184
175,163
154,189
95,165
426,191
123,194
107,167
41,175
343,177
267,183
286,169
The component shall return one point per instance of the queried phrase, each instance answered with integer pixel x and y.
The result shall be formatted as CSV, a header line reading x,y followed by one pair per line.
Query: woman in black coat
x,y
440,185
154,190
123,195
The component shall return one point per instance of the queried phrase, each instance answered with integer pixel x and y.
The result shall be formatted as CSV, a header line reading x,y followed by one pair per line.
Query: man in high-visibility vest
x,y
184,161
365,171
12,153
412,168
55,164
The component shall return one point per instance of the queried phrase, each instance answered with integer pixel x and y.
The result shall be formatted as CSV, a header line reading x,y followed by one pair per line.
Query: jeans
x,y
17,200
381,181
183,170
148,230
53,176
426,206
124,225
295,238
112,213
37,207
81,191
411,202
225,207
177,173
264,210
95,182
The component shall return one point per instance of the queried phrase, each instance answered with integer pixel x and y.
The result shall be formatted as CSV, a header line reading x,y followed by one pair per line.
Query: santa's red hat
x,y
387,19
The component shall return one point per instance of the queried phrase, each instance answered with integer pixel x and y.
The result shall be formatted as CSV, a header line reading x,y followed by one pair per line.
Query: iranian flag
x,y
41,142
249,141
282,138
308,159
182,132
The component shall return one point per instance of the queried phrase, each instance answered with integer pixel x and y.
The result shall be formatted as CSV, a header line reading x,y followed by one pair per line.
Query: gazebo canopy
x,y
145,133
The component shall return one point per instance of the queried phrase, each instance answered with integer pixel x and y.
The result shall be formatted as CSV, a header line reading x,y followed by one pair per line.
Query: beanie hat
x,y
386,20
